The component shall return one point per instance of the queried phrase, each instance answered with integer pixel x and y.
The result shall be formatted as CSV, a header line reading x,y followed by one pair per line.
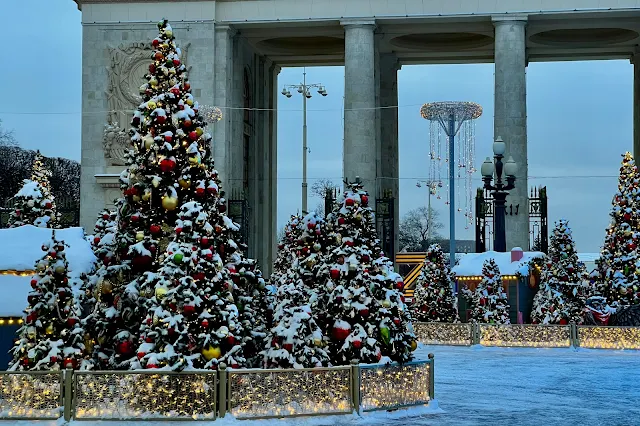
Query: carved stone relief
x,y
128,64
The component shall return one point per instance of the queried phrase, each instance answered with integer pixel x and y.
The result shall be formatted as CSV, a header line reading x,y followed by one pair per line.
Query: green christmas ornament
x,y
177,258
384,332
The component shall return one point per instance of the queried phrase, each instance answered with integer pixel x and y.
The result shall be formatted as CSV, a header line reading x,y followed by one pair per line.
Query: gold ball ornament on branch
x,y
211,352
169,202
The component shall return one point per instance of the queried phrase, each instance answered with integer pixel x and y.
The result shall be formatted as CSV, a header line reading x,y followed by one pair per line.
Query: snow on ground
x,y
498,386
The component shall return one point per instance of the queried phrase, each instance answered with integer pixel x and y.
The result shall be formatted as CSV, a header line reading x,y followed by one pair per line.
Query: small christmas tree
x,y
286,249
366,317
433,298
51,337
34,203
564,282
619,277
489,302
106,223
297,339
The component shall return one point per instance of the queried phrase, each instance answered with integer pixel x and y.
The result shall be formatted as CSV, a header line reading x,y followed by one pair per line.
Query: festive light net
x,y
394,386
30,395
525,335
439,333
439,115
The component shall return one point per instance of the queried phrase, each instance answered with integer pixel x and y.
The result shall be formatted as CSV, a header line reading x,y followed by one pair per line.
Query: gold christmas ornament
x,y
59,269
136,198
139,236
185,183
151,105
106,287
161,292
317,342
169,203
49,329
211,352
147,141
147,195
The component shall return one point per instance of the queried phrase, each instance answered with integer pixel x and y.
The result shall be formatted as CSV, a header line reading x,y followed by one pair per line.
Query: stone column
x,y
635,60
510,119
388,171
360,101
222,98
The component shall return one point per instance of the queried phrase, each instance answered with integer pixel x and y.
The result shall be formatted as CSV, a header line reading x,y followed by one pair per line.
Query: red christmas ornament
x,y
627,216
70,363
167,164
54,359
222,208
141,355
141,262
357,344
205,323
396,321
161,118
154,229
135,218
563,321
483,301
186,123
178,230
159,56
311,225
176,62
105,216
288,347
364,199
335,274
48,205
193,135
171,330
175,91
199,276
189,309
365,258
340,333
155,43
200,191
399,285
53,254
349,202
204,241
32,317
71,321
364,312
209,256
125,347
148,340
349,243
152,366
212,190
34,283
168,137
341,221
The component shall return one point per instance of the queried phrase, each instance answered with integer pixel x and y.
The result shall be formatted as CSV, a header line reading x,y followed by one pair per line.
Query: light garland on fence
x,y
525,335
434,333
479,278
280,393
133,395
609,337
30,395
394,386
11,321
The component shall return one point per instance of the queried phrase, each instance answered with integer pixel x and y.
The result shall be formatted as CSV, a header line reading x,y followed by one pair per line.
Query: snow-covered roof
x,y
588,257
471,264
20,248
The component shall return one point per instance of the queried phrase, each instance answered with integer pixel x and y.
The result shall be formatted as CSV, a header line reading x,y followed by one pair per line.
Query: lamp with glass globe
x,y
499,190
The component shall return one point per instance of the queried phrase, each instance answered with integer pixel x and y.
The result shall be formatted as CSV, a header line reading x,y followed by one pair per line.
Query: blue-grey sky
x,y
580,118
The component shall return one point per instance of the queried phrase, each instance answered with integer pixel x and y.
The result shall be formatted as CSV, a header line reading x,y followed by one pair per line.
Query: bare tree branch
x,y
7,137
414,232
321,186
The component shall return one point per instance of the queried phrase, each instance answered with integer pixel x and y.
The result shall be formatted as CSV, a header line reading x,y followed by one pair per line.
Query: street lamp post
x,y
500,190
304,90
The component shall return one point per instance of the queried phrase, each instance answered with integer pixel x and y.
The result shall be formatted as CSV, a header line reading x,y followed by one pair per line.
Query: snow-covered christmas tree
x,y
51,337
106,223
564,284
297,339
366,317
34,203
619,276
286,249
171,166
489,302
433,298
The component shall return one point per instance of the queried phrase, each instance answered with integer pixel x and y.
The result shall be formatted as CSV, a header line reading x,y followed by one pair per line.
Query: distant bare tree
x,y
6,137
414,235
321,186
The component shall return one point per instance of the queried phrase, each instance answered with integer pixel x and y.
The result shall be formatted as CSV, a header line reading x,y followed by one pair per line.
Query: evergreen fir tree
x,y
297,339
564,282
34,204
366,317
286,249
489,303
619,277
433,298
106,223
51,337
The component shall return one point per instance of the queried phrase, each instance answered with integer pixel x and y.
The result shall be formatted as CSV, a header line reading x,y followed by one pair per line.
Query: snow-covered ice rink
x,y
499,386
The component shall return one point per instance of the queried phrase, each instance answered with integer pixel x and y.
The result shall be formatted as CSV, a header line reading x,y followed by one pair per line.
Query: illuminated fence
x,y
526,335
206,395
123,395
32,395
608,337
286,393
396,386
436,333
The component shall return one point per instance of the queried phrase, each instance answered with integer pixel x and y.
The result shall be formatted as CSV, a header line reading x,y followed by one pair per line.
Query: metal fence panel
x,y
260,393
30,395
144,395
437,333
595,337
525,335
394,386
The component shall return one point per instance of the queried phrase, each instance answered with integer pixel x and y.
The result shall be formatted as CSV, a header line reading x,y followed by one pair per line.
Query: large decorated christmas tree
x,y
619,275
433,298
170,176
489,301
51,337
34,203
365,315
297,338
564,284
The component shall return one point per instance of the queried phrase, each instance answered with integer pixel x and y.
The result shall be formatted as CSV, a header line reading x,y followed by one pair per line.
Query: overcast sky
x,y
580,118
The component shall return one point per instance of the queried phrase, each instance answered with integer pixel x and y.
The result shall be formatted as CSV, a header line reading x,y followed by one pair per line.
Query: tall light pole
x,y
499,189
304,89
